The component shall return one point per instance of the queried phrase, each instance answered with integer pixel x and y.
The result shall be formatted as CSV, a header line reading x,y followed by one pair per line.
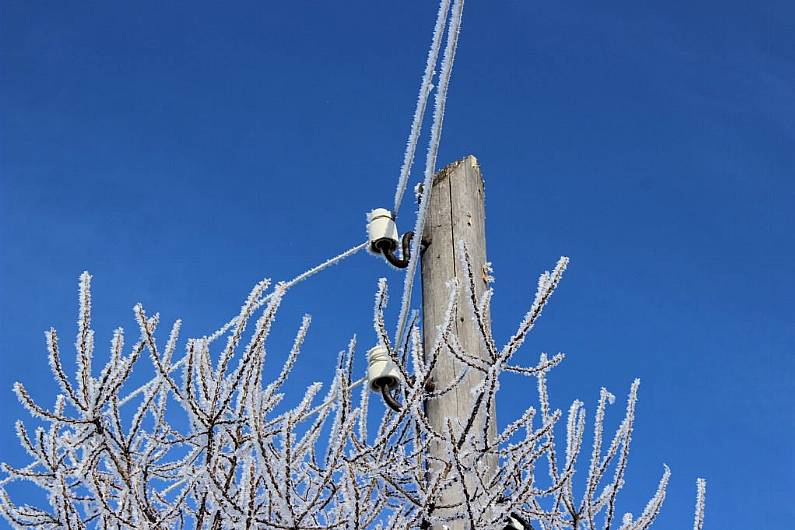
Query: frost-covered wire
x,y
422,99
430,163
259,303
298,279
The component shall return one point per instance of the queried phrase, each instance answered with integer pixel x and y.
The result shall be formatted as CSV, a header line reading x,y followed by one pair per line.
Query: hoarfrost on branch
x,y
209,446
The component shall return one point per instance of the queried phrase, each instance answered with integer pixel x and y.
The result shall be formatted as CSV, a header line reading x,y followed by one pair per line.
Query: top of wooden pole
x,y
452,166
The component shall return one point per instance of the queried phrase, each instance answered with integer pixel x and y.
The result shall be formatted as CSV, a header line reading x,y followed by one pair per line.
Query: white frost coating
x,y
655,503
84,343
626,438
701,490
236,461
626,521
605,397
430,164
422,100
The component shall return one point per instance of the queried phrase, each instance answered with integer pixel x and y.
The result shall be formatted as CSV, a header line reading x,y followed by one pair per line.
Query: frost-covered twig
x,y
228,456
701,491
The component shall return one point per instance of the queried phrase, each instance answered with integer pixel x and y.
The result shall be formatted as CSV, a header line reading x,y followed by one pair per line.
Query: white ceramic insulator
x,y
381,225
380,368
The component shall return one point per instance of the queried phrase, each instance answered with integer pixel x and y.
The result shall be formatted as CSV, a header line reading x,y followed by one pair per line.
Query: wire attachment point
x,y
383,235
389,399
383,375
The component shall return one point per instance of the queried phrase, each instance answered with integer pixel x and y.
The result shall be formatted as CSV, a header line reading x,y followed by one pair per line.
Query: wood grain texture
x,y
456,212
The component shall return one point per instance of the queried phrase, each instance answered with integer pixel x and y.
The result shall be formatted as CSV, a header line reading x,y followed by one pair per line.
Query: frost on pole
x,y
206,446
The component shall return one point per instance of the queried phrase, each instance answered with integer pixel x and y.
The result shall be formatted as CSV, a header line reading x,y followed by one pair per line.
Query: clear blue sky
x,y
181,151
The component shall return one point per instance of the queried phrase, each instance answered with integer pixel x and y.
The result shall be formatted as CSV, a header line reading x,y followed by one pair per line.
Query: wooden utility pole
x,y
456,212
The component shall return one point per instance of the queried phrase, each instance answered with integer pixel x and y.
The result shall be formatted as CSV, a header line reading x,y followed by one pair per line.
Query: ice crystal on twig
x,y
109,459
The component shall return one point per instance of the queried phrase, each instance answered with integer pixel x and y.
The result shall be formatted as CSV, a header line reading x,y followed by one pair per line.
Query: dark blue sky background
x,y
181,151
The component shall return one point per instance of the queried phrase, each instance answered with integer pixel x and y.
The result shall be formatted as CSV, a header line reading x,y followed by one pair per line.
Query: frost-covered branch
x,y
215,445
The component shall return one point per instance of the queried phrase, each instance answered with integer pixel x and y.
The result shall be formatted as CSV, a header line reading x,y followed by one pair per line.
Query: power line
x,y
223,329
422,100
430,164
